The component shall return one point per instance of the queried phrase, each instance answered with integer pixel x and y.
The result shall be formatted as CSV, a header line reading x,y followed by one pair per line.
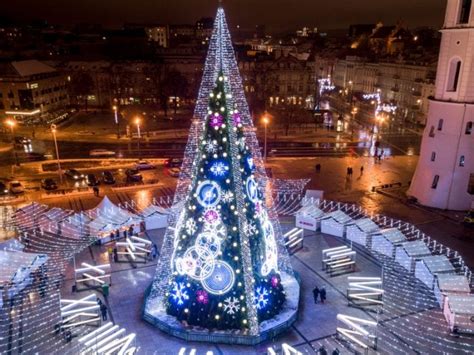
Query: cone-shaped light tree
x,y
223,263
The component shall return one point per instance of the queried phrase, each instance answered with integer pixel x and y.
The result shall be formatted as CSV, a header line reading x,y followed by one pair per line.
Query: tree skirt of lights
x,y
154,313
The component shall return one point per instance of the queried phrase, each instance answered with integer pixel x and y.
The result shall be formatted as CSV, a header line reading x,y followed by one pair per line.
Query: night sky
x,y
276,14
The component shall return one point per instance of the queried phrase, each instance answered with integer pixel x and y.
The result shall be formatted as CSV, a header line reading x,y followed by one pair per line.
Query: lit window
x,y
469,127
461,160
465,11
453,77
434,185
440,124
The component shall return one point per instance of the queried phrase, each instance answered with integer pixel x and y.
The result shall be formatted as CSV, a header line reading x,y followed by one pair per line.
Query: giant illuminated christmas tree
x,y
223,264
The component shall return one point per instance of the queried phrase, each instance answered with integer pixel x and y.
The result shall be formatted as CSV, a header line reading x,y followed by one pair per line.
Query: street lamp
x,y
53,131
115,108
265,121
12,123
354,113
137,122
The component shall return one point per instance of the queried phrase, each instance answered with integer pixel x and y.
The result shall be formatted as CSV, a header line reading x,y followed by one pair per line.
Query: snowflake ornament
x,y
231,305
216,120
228,196
211,147
219,169
261,297
250,228
190,226
217,229
179,293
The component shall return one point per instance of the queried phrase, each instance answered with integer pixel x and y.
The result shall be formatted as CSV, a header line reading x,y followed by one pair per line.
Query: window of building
x,y
433,156
465,11
432,134
461,160
434,185
470,186
453,75
440,124
469,127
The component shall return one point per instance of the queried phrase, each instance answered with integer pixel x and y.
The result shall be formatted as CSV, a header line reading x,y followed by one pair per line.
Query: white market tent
x,y
155,217
107,218
360,231
408,252
386,240
447,284
309,217
27,217
15,270
335,223
50,219
459,313
429,266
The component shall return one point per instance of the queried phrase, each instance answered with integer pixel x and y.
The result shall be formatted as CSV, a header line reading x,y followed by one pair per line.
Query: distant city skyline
x,y
284,14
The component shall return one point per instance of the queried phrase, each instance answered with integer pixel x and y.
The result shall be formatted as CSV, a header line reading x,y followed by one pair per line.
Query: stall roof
x,y
153,209
310,211
107,216
453,283
12,261
339,217
366,225
461,304
416,248
437,263
393,235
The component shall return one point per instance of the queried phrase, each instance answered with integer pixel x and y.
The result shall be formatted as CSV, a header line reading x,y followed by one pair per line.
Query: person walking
x,y
322,293
103,311
315,294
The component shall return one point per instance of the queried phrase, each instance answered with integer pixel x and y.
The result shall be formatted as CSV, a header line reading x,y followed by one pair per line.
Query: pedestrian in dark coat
x,y
322,293
315,294
103,311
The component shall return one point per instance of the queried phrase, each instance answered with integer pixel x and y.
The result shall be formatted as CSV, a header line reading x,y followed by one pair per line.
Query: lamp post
x,y
53,131
12,123
354,113
265,122
137,122
115,108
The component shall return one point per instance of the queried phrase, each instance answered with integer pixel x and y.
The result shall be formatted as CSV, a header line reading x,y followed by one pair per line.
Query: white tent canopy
x,y
155,217
447,284
429,266
386,240
459,312
359,231
108,218
408,252
335,223
309,217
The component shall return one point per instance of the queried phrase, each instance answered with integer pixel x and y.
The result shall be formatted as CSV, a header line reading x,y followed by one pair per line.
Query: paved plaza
x,y
411,321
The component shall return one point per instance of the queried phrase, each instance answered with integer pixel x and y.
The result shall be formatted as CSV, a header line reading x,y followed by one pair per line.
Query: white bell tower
x,y
444,177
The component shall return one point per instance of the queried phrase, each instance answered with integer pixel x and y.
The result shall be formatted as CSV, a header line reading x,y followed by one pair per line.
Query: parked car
x,y
92,180
22,140
144,165
74,174
101,153
49,184
108,178
3,189
133,175
16,187
173,162
174,172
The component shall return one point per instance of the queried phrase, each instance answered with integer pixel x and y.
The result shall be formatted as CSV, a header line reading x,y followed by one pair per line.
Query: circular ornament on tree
x,y
208,193
216,120
221,280
252,189
198,263
211,216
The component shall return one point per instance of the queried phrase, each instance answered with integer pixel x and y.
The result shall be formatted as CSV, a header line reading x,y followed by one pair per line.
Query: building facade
x,y
406,85
444,177
31,89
